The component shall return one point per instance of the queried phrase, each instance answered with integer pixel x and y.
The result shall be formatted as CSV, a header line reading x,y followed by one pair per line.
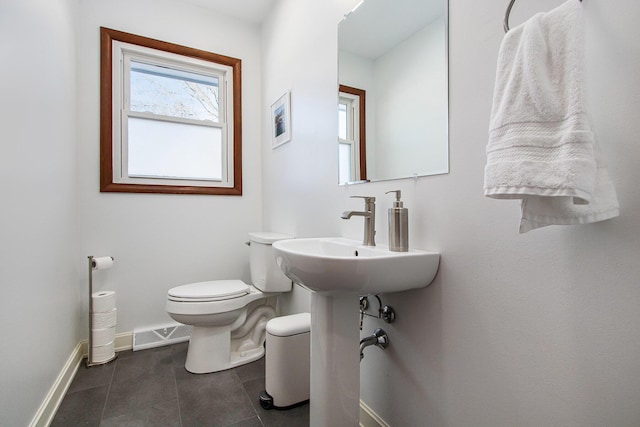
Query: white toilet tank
x,y
265,273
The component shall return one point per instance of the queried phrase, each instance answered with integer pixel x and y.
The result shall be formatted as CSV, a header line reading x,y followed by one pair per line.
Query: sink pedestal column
x,y
335,361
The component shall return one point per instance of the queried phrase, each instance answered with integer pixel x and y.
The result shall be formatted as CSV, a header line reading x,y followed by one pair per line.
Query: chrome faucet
x,y
369,215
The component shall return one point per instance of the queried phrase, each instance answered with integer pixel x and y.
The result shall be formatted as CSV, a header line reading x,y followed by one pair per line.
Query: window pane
x,y
342,121
174,93
174,150
344,163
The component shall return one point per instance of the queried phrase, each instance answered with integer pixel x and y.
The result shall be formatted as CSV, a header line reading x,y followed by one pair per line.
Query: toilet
x,y
229,317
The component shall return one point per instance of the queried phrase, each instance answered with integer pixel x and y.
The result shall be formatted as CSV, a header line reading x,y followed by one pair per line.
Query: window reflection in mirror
x,y
396,52
352,141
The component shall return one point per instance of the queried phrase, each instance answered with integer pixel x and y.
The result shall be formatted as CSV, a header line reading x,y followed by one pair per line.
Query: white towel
x,y
541,148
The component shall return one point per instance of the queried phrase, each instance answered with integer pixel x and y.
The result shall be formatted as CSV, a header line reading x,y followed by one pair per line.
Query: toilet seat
x,y
219,296
216,290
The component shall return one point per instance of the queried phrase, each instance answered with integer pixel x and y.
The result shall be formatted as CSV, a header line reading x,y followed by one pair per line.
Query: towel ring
x,y
505,24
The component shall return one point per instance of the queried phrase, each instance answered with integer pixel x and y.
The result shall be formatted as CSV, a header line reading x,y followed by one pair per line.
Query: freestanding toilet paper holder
x,y
90,362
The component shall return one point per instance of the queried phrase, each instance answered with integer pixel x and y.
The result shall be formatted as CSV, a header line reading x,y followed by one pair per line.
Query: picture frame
x,y
281,120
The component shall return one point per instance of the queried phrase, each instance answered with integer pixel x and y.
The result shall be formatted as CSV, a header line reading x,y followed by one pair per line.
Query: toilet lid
x,y
215,290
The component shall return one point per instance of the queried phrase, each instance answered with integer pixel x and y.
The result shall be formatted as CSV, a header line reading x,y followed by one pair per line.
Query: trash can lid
x,y
286,326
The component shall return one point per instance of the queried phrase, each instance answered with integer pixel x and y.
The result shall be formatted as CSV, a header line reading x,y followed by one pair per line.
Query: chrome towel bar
x,y
505,24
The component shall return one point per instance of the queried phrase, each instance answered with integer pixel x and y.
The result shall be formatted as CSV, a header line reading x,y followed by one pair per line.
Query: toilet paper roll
x,y
103,301
104,336
101,263
106,319
102,353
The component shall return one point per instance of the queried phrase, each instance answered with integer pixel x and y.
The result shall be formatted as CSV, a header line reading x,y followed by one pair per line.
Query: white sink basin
x,y
334,265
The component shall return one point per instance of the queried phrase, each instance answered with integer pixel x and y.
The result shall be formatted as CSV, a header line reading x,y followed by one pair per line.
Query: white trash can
x,y
287,361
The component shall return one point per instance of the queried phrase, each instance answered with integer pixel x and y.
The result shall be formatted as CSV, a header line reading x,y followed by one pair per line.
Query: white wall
x,y
39,265
538,329
411,131
161,241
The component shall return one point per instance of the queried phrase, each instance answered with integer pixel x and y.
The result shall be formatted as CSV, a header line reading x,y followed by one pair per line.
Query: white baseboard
x,y
53,399
368,418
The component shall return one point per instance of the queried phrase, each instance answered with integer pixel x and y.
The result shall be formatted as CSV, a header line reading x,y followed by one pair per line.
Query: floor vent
x,y
164,335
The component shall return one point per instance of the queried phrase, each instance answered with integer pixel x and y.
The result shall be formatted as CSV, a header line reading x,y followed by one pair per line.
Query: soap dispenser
x,y
398,225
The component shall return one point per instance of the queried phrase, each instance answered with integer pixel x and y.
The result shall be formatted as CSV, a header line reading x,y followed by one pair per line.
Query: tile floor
x,y
152,388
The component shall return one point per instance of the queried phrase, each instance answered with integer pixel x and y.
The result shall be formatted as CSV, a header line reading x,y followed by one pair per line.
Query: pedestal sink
x,y
338,270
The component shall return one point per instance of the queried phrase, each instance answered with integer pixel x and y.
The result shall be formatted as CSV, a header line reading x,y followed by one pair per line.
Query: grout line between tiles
x,y
175,384
106,398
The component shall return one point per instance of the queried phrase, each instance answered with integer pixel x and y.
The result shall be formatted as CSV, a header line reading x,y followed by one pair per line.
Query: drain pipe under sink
x,y
379,339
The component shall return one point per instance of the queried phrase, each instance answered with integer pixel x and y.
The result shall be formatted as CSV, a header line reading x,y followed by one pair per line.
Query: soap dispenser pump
x,y
398,225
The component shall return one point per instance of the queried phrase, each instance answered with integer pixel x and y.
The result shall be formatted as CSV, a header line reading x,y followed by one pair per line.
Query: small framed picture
x,y
281,120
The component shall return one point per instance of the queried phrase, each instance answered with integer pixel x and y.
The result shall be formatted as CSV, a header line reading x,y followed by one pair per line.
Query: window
x,y
352,154
170,118
346,154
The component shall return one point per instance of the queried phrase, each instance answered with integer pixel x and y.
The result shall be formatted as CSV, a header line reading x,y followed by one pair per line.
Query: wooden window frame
x,y
107,184
362,143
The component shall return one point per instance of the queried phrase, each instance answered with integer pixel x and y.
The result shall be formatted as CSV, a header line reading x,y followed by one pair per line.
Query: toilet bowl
x,y
229,317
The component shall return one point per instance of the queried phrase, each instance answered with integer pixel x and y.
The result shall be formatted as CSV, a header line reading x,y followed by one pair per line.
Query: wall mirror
x,y
393,90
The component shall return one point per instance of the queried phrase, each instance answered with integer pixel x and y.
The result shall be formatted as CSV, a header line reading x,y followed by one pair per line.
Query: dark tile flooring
x,y
152,388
